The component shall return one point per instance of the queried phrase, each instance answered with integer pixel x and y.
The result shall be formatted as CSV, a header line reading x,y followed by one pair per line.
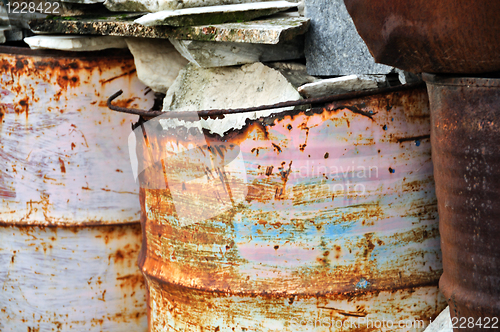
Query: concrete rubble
x,y
215,88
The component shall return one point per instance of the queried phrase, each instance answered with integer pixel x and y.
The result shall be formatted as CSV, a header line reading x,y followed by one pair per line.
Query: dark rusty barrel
x,y
446,36
317,220
465,115
69,212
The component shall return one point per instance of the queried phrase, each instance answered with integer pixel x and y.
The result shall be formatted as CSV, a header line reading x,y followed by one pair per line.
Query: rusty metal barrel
x,y
69,214
303,220
466,154
434,37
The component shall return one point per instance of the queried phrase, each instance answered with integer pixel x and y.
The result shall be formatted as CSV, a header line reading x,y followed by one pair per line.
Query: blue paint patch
x,y
363,284
384,127
392,170
417,142
392,119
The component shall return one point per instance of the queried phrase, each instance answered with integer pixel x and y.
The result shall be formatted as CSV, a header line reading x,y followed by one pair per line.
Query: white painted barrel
x,y
69,213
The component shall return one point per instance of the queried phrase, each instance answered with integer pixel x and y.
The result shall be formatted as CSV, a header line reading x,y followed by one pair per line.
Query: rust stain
x,y
465,141
127,73
297,232
54,148
63,168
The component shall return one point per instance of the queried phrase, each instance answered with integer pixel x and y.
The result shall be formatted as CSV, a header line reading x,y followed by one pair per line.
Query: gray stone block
x,y
333,46
343,84
157,62
199,88
222,54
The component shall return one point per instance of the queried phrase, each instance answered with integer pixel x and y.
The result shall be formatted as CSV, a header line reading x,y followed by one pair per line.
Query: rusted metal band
x,y
267,293
219,113
66,224
108,53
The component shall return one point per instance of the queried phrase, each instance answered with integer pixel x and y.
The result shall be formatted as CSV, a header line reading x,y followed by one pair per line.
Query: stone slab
x,y
295,73
270,30
222,54
343,84
214,14
159,5
333,46
75,43
83,1
3,39
442,323
214,88
157,62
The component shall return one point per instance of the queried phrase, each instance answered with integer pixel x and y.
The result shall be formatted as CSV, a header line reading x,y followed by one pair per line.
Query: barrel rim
x,y
81,55
266,293
477,81
57,224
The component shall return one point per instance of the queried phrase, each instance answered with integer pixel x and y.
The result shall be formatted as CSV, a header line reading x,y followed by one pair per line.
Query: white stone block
x,y
75,43
157,62
215,88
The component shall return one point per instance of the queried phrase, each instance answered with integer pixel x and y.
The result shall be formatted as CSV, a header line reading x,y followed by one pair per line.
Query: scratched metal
x,y
63,155
71,279
322,220
69,212
465,142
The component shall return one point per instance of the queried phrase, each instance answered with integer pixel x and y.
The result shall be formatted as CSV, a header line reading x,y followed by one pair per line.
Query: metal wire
x,y
219,113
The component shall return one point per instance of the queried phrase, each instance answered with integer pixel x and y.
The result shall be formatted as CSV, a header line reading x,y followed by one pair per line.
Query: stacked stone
x,y
216,33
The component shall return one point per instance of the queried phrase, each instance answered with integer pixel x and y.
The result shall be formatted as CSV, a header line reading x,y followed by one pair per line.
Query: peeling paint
x,y
71,279
59,144
69,216
335,237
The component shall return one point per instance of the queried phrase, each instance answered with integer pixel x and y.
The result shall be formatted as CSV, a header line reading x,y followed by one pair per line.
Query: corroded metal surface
x,y
69,212
466,156
71,279
448,36
64,156
300,217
